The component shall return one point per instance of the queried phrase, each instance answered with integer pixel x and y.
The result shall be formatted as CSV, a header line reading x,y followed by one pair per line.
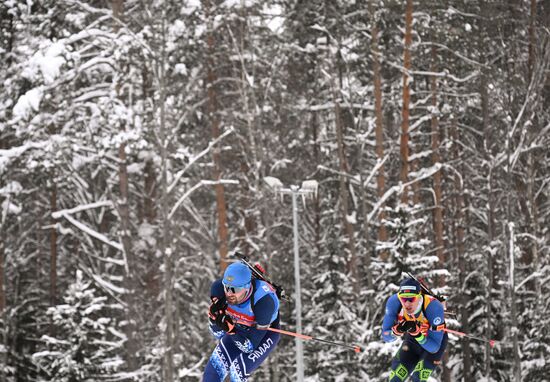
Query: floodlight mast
x,y
309,187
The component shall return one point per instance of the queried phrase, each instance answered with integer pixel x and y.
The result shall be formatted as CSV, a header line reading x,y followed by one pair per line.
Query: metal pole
x,y
299,344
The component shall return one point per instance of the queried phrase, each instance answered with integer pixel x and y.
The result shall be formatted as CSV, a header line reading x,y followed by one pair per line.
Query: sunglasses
x,y
234,290
409,298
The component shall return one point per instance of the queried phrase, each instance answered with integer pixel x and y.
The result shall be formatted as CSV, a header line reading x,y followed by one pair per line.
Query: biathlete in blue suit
x,y
242,309
419,320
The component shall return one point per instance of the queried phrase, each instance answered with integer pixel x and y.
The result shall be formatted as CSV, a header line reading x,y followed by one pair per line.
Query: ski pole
x,y
356,348
461,334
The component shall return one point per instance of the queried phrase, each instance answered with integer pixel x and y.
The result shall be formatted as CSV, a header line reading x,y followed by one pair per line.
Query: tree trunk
x,y
316,202
537,285
404,144
53,248
352,262
511,245
250,150
436,158
513,307
124,213
3,316
532,39
149,209
438,208
363,193
379,119
491,219
149,180
490,273
53,252
166,249
248,225
215,124
460,220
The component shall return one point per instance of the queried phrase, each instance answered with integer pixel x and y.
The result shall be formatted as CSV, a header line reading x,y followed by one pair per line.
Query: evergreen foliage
x,y
108,118
87,341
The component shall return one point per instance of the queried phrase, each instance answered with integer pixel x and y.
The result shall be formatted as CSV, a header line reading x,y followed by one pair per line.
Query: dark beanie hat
x,y
409,286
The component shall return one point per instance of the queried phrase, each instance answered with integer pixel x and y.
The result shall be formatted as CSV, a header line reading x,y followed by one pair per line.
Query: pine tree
x,y
88,340
332,316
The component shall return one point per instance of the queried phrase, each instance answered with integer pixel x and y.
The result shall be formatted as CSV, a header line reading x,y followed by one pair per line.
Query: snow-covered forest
x,y
136,137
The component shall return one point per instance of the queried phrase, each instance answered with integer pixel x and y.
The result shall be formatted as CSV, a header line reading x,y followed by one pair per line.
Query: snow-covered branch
x,y
197,157
376,168
420,175
445,74
464,58
195,187
84,228
83,207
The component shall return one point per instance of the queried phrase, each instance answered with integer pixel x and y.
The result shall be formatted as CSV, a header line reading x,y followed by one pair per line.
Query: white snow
x,y
12,187
177,29
83,207
352,219
51,62
135,168
420,155
28,103
146,233
14,152
106,284
117,333
83,227
275,22
190,6
195,187
237,3
180,69
10,207
47,61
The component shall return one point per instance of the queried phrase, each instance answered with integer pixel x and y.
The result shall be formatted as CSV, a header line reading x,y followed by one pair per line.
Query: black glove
x,y
416,332
404,326
225,323
216,309
281,293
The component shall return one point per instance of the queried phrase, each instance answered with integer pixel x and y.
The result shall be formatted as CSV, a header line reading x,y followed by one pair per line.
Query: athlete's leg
x,y
243,365
404,361
429,362
219,364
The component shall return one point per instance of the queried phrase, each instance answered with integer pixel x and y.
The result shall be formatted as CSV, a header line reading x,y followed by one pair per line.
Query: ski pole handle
x,y
355,348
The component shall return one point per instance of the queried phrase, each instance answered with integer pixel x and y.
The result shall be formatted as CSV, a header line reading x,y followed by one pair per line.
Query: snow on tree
x,y
88,340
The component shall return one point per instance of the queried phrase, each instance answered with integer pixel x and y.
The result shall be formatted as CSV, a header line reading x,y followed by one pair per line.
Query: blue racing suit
x,y
241,352
417,356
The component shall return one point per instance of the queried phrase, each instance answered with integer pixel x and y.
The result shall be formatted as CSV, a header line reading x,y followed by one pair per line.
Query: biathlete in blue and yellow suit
x,y
418,319
242,309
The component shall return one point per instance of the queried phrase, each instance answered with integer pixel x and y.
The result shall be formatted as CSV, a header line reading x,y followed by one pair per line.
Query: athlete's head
x,y
237,283
409,295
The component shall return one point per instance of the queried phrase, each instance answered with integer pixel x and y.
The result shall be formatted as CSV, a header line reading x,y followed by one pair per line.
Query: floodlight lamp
x,y
274,183
310,186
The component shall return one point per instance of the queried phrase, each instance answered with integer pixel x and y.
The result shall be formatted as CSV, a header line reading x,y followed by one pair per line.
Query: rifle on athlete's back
x,y
259,273
442,299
